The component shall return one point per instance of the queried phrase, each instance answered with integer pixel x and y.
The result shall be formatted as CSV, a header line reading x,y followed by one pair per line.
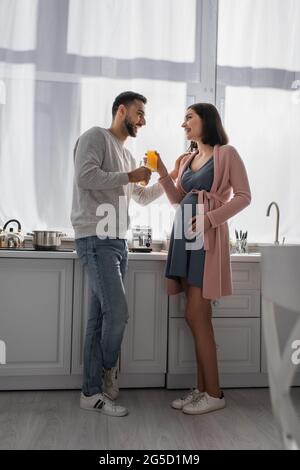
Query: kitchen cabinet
x,y
237,340
144,348
36,316
43,314
237,327
44,309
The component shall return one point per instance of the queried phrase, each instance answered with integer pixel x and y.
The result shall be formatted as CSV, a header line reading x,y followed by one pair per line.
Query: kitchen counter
x,y
30,253
153,256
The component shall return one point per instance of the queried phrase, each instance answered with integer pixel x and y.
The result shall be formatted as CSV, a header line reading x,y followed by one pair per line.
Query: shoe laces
x,y
193,393
198,398
109,402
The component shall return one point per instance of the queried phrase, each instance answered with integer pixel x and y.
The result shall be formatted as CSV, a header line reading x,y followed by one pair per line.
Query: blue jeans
x,y
106,263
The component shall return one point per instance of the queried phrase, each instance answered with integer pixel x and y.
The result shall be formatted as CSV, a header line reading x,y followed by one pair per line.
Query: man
x,y
105,174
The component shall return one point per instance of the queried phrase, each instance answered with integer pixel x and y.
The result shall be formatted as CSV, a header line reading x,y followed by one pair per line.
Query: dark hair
x,y
213,132
125,98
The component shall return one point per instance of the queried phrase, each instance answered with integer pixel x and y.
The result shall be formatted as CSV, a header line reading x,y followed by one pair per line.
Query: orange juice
x,y
151,163
152,160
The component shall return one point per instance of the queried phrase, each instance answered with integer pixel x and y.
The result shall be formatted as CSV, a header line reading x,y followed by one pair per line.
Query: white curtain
x,y
62,62
258,80
128,29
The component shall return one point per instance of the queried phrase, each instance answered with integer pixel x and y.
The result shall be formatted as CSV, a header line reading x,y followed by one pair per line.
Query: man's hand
x,y
174,172
140,174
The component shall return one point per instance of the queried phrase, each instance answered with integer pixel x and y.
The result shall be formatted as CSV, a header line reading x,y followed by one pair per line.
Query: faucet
x,y
277,219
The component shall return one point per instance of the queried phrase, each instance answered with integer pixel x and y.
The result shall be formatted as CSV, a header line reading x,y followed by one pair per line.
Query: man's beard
x,y
130,128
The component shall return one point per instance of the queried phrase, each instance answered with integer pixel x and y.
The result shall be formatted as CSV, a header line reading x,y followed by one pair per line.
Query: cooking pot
x,y
46,240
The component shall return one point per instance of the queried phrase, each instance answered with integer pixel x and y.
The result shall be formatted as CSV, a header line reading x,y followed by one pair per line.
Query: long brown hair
x,y
213,132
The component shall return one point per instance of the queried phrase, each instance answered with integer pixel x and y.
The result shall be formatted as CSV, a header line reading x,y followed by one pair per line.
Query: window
x,y
258,67
76,58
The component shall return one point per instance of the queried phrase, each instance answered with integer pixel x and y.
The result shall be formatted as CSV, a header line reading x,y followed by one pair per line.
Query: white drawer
x,y
238,345
242,303
245,275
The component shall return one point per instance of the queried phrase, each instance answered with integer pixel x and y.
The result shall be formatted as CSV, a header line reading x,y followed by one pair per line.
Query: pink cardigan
x,y
229,177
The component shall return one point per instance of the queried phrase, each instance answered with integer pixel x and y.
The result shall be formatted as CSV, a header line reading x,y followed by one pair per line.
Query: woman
x,y
200,266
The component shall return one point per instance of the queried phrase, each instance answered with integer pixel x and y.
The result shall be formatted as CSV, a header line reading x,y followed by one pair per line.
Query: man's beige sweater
x,y
101,178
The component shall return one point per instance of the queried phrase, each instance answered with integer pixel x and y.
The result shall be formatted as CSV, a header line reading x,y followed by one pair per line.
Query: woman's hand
x,y
174,172
161,168
195,222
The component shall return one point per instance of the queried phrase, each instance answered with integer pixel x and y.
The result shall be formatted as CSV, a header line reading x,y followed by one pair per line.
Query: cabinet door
x,y
144,349
242,303
80,315
36,315
238,345
144,346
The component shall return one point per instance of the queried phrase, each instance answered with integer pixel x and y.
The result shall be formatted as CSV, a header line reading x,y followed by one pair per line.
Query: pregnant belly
x,y
183,216
189,203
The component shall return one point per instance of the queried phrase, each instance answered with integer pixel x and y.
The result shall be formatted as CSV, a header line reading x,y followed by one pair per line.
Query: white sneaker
x,y
204,404
179,403
102,404
110,383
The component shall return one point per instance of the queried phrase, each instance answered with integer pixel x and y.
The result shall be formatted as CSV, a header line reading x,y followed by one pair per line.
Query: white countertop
x,y
37,254
153,256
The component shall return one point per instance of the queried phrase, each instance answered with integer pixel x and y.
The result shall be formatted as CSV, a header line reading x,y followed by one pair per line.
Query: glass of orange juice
x,y
151,163
151,160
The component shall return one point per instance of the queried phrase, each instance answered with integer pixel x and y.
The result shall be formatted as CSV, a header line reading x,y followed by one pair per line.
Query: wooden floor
x,y
53,420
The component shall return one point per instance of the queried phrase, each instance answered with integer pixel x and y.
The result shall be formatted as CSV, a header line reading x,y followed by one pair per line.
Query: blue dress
x,y
183,262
